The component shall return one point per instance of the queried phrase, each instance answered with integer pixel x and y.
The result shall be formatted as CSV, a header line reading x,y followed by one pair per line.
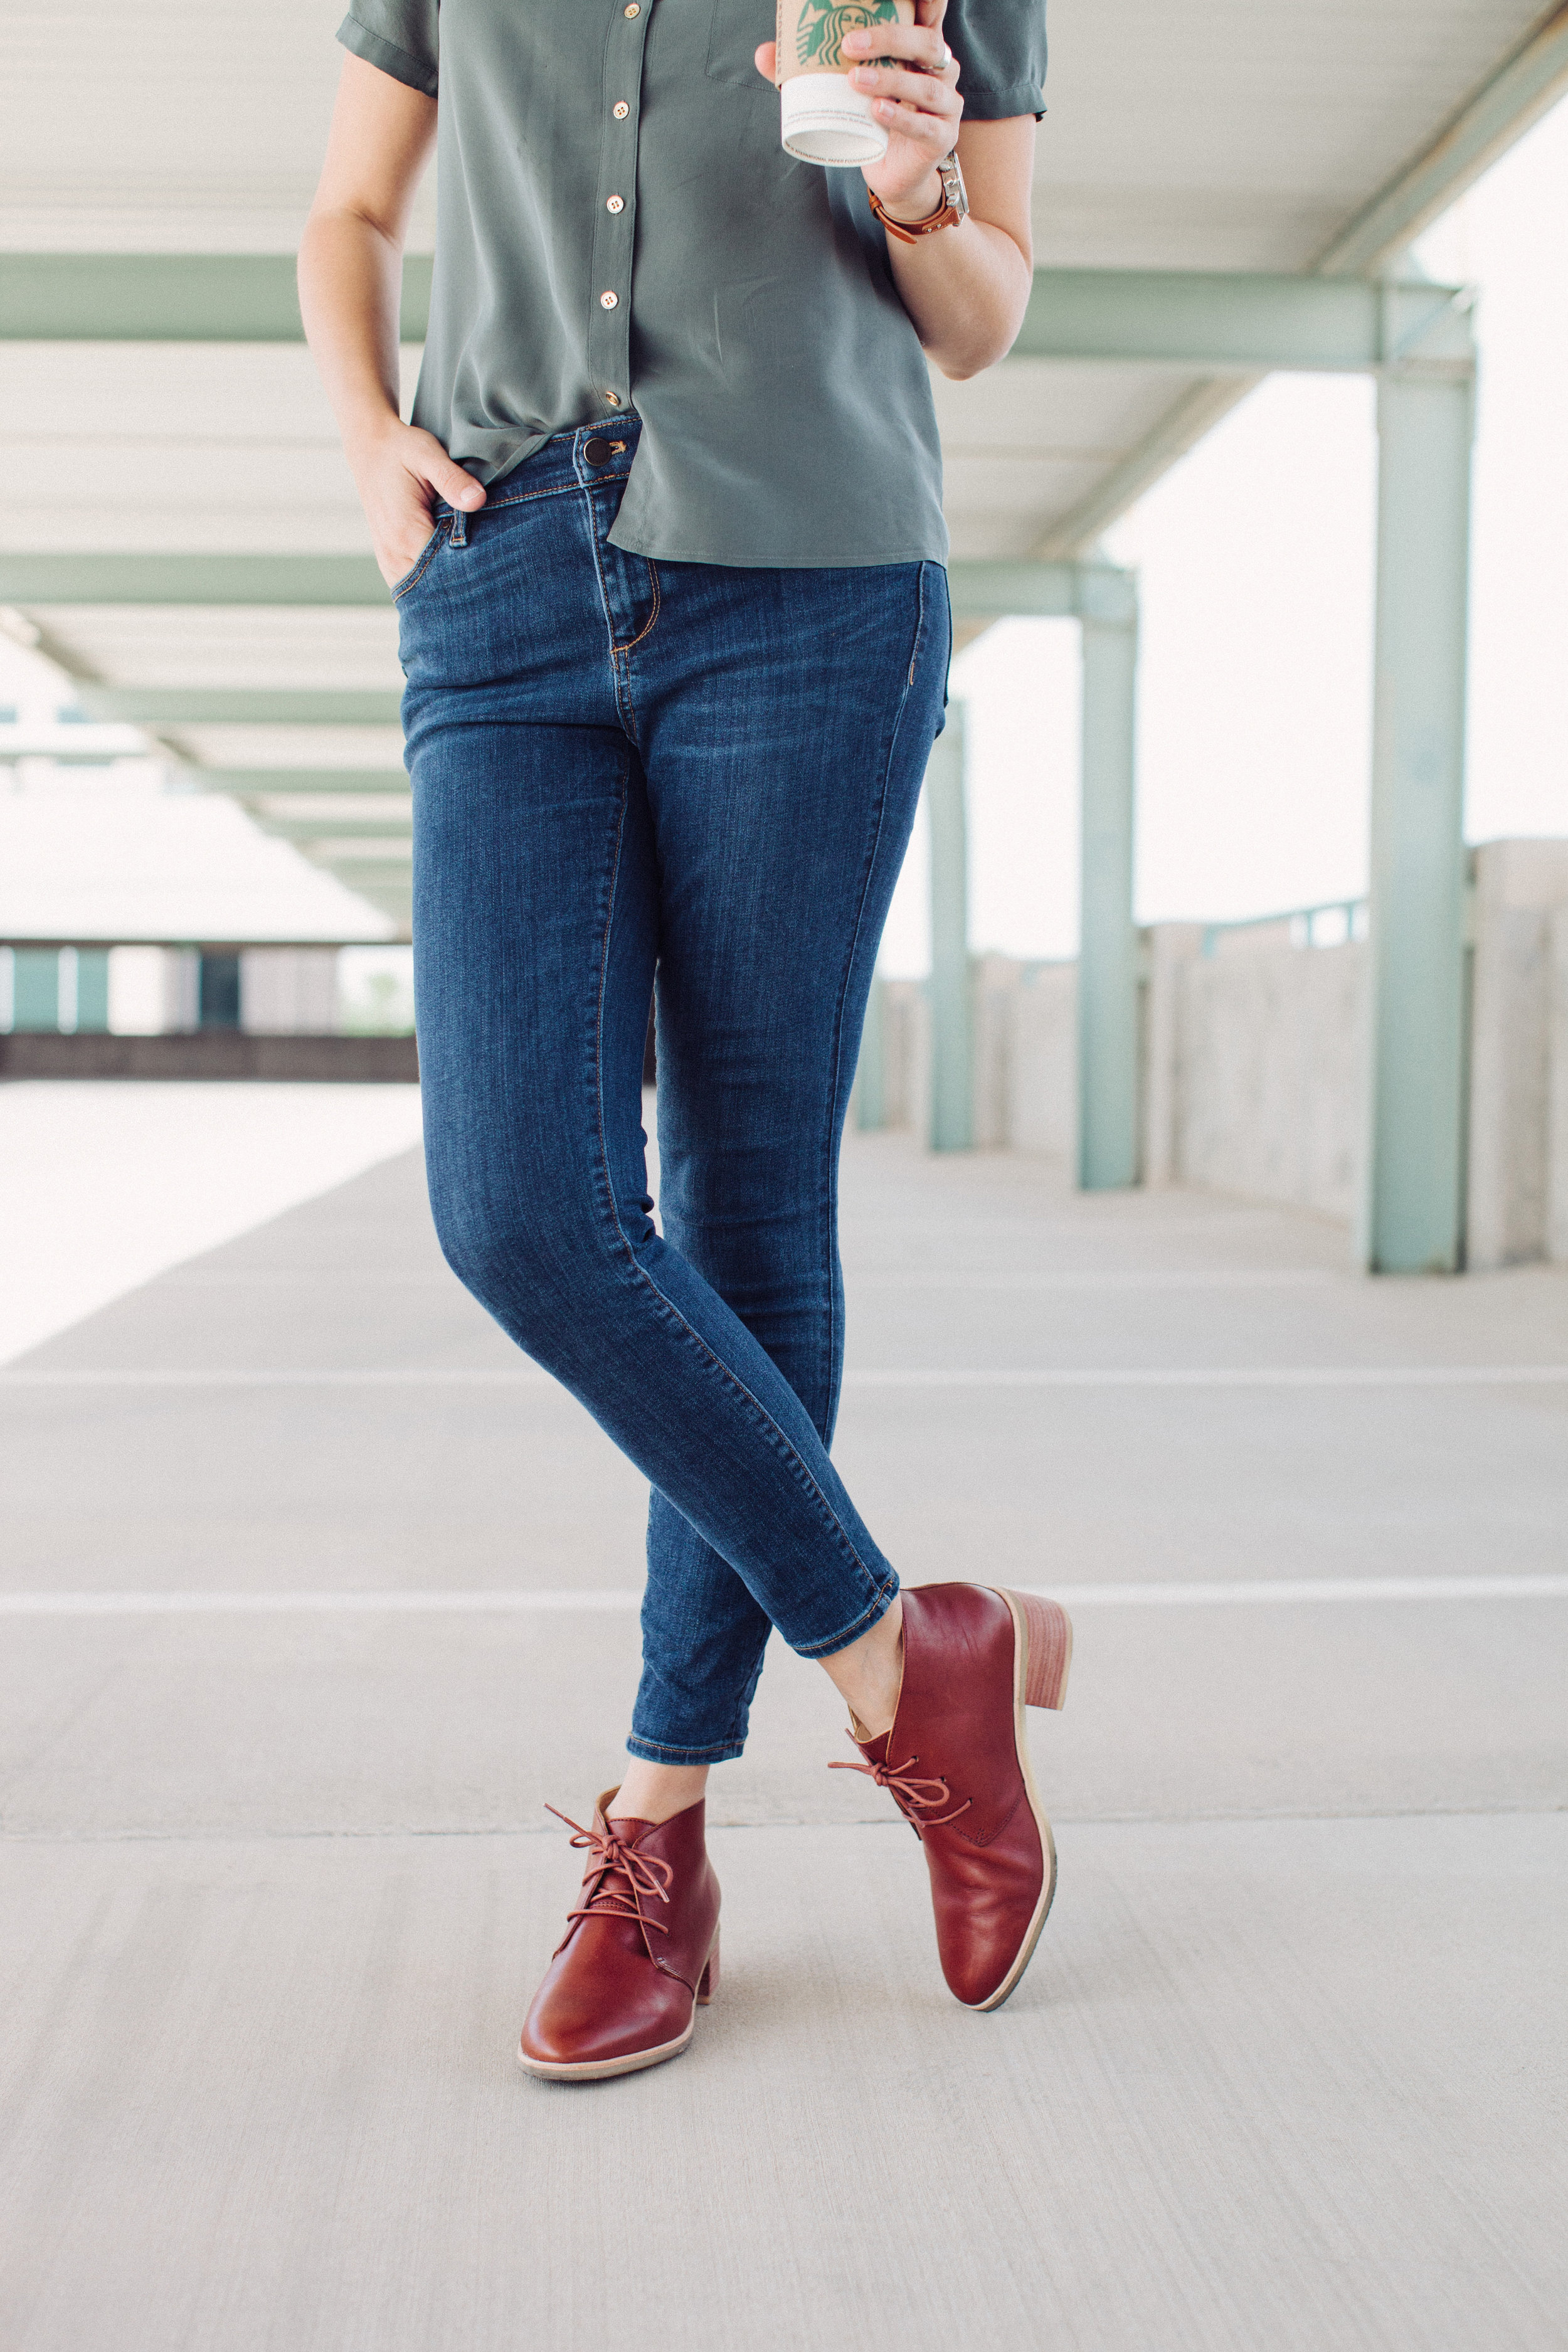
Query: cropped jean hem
x,y
885,1596
652,1751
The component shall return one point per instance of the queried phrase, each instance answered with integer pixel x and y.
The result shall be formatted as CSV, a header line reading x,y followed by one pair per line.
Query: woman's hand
x,y
400,471
917,103
351,279
966,286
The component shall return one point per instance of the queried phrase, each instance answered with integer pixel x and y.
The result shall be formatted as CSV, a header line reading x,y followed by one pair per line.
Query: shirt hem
x,y
377,51
664,554
984,105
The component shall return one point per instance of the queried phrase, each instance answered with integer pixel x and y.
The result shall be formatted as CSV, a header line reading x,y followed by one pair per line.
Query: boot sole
x,y
632,2062
1054,1658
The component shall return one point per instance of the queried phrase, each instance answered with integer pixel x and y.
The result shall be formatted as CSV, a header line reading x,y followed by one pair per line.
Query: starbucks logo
x,y
820,31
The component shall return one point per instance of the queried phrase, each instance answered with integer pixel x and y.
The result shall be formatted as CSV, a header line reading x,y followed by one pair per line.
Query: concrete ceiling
x,y
1223,135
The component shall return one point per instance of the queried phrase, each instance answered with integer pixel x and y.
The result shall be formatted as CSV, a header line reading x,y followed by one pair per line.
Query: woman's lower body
x,y
623,768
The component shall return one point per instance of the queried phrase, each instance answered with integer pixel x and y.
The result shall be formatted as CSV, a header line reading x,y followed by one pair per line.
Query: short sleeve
x,y
402,36
1000,45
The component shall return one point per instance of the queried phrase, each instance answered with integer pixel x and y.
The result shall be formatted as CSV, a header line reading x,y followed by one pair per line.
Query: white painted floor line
x,y
1199,1278
1229,1376
1199,1376
501,1601
912,1278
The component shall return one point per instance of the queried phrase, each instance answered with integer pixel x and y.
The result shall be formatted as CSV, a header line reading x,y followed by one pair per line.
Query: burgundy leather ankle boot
x,y
641,1950
957,1764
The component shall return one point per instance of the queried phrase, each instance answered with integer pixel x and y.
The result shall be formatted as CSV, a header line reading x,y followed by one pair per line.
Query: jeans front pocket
x,y
421,561
738,29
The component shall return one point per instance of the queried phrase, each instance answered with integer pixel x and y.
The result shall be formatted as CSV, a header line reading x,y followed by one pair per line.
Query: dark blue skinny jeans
x,y
622,766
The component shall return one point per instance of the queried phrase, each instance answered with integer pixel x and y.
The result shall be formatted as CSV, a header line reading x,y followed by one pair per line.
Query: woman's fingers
x,y
919,46
401,476
766,60
921,92
430,464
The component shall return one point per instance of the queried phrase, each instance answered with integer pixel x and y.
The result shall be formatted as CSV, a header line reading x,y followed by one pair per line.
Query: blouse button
x,y
634,9
607,301
620,109
611,398
615,204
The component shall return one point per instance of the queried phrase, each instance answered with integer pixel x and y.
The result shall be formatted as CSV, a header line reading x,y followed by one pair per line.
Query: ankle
x,y
869,1674
657,1793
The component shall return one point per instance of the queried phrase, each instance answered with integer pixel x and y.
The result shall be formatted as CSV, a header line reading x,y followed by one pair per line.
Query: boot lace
x,y
621,1878
906,1791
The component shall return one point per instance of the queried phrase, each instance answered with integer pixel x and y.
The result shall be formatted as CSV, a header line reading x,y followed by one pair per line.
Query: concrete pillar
x,y
92,989
1413,1210
871,1070
951,1084
1108,953
35,989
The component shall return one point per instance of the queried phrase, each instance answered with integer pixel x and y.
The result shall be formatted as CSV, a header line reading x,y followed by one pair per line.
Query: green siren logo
x,y
819,32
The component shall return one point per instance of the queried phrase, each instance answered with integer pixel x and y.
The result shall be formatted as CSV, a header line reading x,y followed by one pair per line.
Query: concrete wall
x,y
283,992
289,991
1267,1077
1519,1055
1255,1075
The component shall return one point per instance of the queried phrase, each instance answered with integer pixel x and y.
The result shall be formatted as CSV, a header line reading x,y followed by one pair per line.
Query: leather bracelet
x,y
952,209
946,216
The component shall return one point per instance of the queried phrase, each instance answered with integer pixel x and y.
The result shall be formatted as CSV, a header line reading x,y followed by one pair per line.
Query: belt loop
x,y
459,528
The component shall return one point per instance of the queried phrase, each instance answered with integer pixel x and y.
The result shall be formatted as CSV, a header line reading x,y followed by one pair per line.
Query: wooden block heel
x,y
1048,1631
708,1982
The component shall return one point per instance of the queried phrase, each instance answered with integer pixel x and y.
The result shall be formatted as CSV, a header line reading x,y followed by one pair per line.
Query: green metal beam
x,y
979,591
335,829
170,297
239,705
1216,319
1071,590
1206,318
1521,89
247,783
1529,80
117,579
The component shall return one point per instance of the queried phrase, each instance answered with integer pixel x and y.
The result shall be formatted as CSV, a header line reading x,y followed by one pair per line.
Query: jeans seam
x,y
775,1436
648,626
561,490
628,709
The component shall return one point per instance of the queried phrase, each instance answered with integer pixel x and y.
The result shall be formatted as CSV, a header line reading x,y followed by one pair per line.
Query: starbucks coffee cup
x,y
822,118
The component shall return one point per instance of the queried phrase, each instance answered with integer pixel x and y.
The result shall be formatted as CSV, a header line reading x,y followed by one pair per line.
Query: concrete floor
x,y
1289,2067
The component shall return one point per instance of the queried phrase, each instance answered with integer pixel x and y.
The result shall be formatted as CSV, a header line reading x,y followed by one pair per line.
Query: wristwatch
x,y
953,207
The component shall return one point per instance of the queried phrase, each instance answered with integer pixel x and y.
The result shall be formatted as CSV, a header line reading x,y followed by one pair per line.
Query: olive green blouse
x,y
619,228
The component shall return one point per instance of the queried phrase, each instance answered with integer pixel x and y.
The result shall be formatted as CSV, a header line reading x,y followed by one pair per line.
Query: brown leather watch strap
x,y
946,216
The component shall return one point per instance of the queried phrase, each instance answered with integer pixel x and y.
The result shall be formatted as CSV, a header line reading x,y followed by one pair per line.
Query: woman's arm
x,y
351,283
964,288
